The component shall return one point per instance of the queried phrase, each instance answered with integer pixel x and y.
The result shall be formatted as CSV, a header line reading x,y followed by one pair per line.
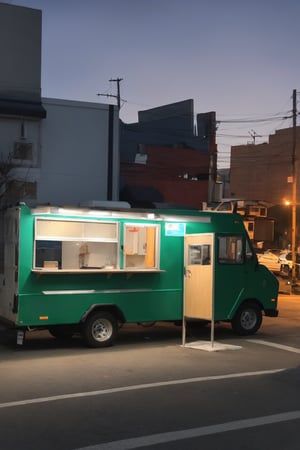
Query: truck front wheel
x,y
100,329
247,319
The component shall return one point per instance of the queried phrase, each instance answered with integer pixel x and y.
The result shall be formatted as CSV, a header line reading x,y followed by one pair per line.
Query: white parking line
x,y
161,438
135,388
273,344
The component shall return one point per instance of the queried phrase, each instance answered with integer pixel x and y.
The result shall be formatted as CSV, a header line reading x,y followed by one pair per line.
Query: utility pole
x,y
254,135
212,175
294,189
118,80
118,96
111,137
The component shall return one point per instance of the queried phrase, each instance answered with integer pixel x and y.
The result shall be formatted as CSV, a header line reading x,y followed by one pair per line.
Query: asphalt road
x,y
150,392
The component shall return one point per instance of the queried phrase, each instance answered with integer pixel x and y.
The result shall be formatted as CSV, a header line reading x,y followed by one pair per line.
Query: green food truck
x,y
89,270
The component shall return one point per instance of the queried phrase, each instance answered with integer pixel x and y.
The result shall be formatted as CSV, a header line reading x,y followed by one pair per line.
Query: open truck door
x,y
199,276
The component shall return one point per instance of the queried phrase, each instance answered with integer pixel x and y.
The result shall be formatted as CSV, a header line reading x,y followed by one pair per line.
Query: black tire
x,y
61,331
247,319
100,329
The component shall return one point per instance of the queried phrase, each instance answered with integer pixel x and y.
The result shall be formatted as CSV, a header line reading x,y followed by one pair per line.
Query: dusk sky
x,y
236,57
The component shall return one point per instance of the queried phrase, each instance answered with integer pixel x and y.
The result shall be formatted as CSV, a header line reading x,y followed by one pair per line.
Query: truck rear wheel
x,y
100,329
247,319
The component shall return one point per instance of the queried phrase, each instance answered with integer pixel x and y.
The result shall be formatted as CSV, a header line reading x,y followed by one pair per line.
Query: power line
x,y
247,120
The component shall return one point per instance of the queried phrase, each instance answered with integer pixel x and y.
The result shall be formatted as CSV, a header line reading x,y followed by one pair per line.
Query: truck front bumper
x,y
271,312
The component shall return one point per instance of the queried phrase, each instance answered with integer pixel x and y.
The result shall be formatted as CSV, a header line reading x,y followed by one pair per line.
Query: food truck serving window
x,y
141,246
75,244
230,249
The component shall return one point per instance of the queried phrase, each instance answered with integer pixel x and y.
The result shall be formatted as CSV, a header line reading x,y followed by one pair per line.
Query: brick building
x,y
177,176
261,172
169,156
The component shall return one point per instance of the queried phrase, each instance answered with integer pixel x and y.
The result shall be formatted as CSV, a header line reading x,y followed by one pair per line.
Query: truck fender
x,y
110,307
242,298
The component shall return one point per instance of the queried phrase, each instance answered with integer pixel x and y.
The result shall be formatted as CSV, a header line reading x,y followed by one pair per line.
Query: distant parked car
x,y
270,259
285,261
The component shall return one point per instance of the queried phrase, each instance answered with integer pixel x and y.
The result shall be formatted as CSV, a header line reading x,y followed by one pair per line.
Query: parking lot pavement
x,y
285,286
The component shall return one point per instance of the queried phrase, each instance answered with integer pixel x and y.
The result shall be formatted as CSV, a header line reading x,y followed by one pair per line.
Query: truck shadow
x,y
159,334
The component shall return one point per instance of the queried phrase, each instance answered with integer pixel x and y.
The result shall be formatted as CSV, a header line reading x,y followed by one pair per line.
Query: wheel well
x,y
250,300
113,309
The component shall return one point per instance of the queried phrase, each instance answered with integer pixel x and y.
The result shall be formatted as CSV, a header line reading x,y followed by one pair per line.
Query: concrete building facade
x,y
51,150
20,50
67,152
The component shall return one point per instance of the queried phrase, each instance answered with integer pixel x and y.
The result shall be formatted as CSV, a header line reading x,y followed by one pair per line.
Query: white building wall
x,y
75,151
71,148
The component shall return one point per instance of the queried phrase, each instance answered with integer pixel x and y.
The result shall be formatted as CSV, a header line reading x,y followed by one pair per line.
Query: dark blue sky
x,y
238,58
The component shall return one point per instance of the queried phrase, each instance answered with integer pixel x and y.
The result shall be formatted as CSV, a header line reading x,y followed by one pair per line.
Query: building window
x,y
17,190
23,151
